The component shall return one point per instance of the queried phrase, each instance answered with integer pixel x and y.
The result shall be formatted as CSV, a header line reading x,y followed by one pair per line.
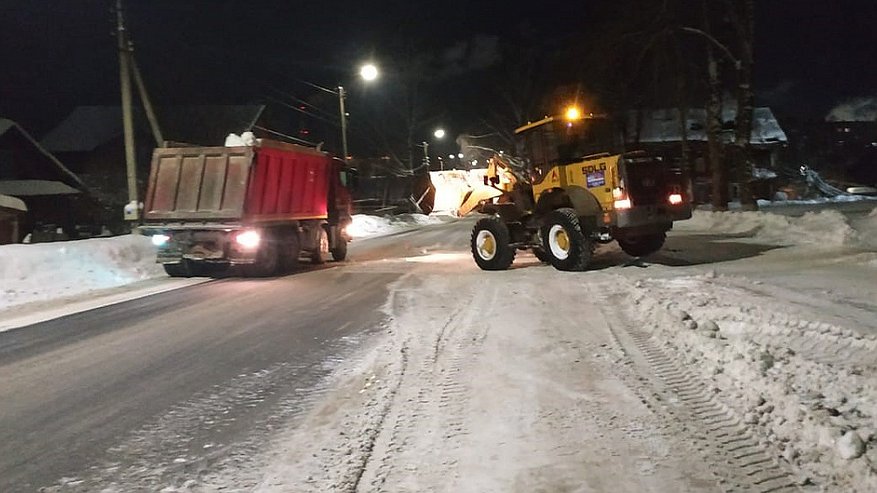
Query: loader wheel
x,y
640,246
564,243
541,255
490,244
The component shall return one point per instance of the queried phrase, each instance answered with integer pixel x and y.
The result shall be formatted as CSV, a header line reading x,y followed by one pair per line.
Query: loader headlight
x,y
675,198
160,240
248,239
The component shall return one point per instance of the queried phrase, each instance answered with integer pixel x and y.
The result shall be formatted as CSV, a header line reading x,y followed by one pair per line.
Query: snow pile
x,y
367,226
46,271
827,228
805,385
246,139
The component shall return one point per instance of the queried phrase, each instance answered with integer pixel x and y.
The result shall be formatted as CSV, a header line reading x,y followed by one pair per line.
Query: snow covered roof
x,y
8,202
30,188
89,127
45,158
664,126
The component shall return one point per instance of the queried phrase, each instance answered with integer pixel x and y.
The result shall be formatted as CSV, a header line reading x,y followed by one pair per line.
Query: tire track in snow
x,y
737,457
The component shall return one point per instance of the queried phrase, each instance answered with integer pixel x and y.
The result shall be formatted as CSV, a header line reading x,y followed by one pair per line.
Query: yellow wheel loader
x,y
570,187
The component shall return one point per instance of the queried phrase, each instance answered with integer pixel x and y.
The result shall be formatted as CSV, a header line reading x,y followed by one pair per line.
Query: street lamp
x,y
439,133
368,72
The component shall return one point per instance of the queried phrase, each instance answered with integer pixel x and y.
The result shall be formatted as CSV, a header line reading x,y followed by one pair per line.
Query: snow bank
x,y
366,226
803,384
46,271
828,228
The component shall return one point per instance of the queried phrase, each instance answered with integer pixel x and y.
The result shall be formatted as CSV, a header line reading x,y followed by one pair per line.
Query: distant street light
x,y
439,133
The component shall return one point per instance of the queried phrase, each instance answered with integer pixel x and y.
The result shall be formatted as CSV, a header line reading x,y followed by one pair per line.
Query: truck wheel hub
x,y
485,244
558,242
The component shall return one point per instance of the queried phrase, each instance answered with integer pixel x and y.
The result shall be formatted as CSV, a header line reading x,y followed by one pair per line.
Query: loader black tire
x,y
565,244
490,244
640,246
540,255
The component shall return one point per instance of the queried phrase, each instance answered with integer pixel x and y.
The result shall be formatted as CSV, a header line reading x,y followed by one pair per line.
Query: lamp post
x,y
368,72
439,134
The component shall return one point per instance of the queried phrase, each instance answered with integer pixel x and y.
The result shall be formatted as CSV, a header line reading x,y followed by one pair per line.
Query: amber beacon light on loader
x,y
571,186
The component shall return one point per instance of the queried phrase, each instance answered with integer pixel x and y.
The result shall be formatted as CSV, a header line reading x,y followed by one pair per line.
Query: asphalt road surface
x,y
179,380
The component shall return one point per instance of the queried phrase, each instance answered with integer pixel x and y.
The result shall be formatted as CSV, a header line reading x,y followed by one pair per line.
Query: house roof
x,y
31,188
12,203
89,127
50,162
664,126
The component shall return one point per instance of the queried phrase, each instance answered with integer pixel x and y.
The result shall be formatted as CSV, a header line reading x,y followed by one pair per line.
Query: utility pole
x,y
132,210
341,95
147,103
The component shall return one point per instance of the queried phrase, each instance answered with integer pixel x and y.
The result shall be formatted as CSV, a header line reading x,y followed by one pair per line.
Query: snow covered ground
x,y
743,356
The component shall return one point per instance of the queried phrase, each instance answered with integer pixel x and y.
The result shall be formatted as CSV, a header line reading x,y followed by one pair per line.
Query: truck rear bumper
x,y
649,215
209,246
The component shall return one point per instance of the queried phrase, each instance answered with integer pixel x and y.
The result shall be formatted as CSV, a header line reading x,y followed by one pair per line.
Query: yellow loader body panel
x,y
597,175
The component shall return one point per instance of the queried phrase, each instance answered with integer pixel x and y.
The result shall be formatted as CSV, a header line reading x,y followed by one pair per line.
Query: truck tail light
x,y
248,239
160,240
621,199
675,198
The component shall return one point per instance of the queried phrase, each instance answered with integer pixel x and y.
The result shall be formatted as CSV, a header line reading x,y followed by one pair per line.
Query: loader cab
x,y
556,141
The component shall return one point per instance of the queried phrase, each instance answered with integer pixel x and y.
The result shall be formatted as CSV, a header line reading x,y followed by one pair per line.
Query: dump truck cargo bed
x,y
265,183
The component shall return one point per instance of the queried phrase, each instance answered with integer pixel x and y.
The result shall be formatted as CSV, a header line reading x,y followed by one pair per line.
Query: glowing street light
x,y
573,113
368,72
439,133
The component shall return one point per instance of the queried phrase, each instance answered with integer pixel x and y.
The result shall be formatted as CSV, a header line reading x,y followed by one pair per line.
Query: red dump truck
x,y
262,207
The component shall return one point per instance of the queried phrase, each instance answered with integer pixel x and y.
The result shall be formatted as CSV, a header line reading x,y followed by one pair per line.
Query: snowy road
x,y
740,358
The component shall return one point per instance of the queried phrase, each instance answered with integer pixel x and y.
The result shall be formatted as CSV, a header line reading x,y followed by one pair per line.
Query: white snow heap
x,y
826,228
45,271
366,226
246,139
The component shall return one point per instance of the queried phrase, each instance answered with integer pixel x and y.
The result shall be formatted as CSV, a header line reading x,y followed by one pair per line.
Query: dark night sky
x,y
58,54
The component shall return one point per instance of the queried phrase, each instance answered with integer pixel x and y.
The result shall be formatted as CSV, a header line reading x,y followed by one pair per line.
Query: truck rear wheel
x,y
318,255
564,242
290,251
178,270
490,244
267,261
339,253
640,246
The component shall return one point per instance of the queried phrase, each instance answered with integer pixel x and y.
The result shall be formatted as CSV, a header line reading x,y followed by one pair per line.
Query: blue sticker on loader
x,y
596,179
